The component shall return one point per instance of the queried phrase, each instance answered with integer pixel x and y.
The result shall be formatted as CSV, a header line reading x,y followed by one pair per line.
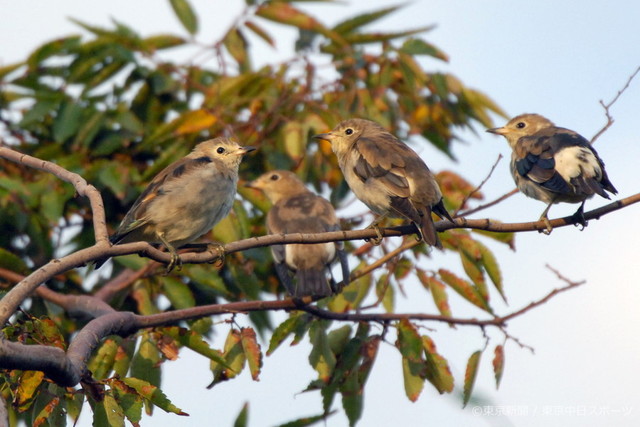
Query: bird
x,y
554,164
387,176
296,209
186,199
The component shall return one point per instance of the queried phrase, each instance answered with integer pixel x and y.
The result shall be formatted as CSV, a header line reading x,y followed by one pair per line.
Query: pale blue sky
x,y
550,57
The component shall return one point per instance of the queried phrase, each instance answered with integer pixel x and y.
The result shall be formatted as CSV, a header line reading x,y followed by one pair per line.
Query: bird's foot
x,y
549,228
217,251
175,262
375,241
579,219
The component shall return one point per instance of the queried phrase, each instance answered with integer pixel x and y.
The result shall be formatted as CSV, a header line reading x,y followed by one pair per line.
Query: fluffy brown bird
x,y
554,164
295,209
387,176
186,199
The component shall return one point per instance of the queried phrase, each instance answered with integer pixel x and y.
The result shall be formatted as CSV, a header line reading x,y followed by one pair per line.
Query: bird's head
x,y
347,133
278,185
226,150
520,126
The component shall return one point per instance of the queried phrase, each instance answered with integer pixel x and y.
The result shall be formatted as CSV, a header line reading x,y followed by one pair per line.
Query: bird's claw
x,y
175,262
217,251
375,241
547,223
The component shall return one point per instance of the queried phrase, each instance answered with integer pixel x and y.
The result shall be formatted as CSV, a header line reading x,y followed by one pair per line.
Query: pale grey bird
x,y
387,176
295,209
554,164
186,199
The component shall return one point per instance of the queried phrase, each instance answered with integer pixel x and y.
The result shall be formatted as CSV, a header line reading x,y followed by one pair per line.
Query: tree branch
x,y
610,104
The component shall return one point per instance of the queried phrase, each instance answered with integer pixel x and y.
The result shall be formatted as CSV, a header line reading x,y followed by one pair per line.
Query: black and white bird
x,y
387,176
554,164
296,209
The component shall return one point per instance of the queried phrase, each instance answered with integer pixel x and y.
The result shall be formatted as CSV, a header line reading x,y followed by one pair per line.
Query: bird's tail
x,y
312,282
428,229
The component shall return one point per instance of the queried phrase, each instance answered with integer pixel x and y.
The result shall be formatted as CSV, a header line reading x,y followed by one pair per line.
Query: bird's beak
x,y
498,131
244,150
252,184
323,136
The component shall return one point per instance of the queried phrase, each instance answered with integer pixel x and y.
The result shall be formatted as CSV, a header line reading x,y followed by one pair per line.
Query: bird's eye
x,y
220,150
521,125
349,131
274,177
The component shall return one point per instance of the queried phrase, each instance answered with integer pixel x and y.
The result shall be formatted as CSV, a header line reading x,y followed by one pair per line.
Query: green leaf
x,y
464,288
438,292
153,394
470,376
129,400
438,372
186,15
178,293
236,44
498,364
307,421
385,292
420,47
506,238
286,14
492,268
108,412
298,323
352,24
338,339
60,46
67,121
257,30
102,362
243,417
321,358
145,362
413,368
196,343
162,41
27,387
12,262
353,294
8,69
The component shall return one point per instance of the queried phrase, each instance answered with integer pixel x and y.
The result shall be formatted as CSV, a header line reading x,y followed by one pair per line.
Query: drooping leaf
x,y
470,376
438,292
321,358
252,351
498,364
153,394
437,372
464,288
186,15
413,368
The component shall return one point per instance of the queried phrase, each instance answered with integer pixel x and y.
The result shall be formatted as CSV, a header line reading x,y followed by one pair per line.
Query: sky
x,y
548,57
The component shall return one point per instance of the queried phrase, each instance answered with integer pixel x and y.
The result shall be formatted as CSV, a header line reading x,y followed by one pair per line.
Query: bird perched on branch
x,y
387,176
554,164
295,209
186,199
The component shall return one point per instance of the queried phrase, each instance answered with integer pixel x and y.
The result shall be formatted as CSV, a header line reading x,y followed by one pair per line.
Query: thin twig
x,y
610,104
488,205
475,190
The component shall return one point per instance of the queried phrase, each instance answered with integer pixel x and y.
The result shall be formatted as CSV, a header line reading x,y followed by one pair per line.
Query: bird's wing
x,y
384,159
533,160
137,215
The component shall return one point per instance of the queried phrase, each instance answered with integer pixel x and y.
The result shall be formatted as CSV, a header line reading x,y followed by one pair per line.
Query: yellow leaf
x,y
194,121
